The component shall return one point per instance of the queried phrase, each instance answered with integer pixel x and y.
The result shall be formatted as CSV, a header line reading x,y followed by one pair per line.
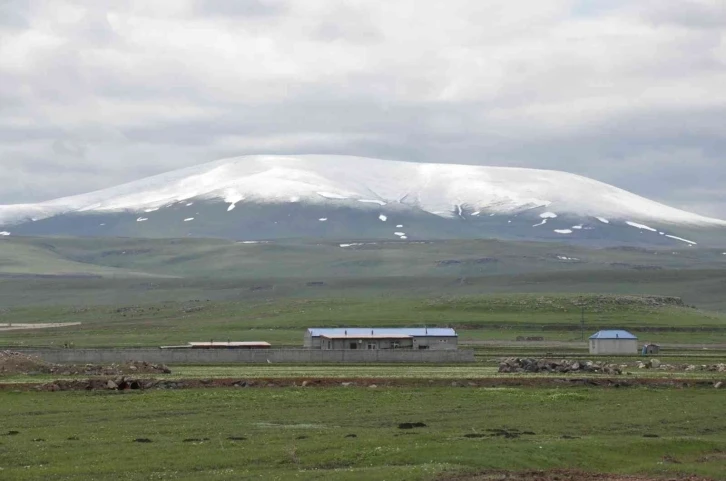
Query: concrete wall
x,y
224,356
613,346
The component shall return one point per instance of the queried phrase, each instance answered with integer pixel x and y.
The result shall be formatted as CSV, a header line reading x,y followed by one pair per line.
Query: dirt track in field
x,y
560,475
100,383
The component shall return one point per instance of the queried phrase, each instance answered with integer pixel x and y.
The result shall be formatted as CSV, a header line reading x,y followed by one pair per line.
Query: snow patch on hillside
x,y
681,239
640,226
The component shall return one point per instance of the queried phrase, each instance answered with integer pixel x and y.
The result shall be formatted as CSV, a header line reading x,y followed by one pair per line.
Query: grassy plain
x,y
352,433
556,317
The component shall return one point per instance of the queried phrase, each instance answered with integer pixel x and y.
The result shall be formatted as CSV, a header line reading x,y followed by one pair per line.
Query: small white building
x,y
613,342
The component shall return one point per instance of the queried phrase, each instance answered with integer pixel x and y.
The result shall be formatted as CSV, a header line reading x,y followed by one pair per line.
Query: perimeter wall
x,y
261,356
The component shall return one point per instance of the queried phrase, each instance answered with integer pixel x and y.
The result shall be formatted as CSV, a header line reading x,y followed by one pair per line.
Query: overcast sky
x,y
95,93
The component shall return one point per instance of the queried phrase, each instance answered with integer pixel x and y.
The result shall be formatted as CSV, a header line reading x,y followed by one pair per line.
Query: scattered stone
x,y
18,363
346,384
564,366
372,386
111,385
718,385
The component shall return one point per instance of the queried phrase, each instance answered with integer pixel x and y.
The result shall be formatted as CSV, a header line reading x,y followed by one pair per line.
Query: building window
x,y
371,345
328,344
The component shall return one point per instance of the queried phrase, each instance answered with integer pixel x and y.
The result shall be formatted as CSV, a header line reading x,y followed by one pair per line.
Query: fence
x,y
262,356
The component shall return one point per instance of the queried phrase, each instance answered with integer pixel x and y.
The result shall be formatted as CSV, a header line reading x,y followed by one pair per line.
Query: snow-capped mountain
x,y
266,196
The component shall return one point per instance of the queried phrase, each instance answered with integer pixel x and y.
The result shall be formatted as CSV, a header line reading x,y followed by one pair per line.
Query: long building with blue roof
x,y
348,338
615,341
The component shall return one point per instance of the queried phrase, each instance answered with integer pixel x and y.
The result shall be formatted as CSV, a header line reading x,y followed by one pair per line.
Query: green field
x,y
139,292
282,322
304,433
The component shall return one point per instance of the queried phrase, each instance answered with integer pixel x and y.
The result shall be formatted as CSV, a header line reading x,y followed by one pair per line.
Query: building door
x,y
354,345
372,345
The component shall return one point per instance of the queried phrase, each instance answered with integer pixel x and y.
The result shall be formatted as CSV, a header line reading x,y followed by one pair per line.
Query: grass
x,y
298,433
556,317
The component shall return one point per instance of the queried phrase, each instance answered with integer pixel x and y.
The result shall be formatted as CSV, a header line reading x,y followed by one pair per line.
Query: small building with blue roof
x,y
349,338
613,342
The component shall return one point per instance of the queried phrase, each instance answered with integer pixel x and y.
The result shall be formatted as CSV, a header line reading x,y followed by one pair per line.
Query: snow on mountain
x,y
442,189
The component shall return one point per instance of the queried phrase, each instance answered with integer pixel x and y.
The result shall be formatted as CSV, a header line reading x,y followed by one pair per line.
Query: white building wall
x,y
613,346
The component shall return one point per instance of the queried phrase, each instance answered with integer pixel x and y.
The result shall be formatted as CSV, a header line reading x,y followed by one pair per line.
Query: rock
x,y
111,385
718,385
372,386
563,366
691,367
133,368
305,383
654,363
346,384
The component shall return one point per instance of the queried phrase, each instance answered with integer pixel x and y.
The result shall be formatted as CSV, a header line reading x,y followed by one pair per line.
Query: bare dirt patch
x,y
559,475
38,325
124,382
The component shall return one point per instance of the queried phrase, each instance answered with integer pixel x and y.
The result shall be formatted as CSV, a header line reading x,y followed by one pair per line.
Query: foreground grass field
x,y
353,433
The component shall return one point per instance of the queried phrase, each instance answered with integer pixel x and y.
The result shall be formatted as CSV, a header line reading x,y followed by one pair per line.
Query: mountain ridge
x,y
348,198
440,189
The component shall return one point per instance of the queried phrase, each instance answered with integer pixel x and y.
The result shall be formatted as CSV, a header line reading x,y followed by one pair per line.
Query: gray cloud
x,y
98,93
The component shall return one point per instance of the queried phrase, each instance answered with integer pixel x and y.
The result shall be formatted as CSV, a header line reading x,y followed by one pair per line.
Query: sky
x,y
96,93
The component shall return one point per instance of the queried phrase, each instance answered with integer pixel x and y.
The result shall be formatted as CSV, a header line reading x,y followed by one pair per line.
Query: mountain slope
x,y
257,197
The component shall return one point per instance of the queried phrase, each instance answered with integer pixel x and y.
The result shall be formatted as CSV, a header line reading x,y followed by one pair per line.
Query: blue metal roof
x,y
382,331
614,334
